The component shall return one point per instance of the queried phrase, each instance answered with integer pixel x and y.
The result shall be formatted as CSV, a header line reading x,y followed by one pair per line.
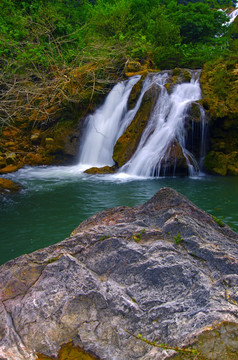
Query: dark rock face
x,y
164,269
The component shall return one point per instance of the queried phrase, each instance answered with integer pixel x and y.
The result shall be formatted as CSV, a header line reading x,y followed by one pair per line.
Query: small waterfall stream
x,y
106,125
233,15
165,130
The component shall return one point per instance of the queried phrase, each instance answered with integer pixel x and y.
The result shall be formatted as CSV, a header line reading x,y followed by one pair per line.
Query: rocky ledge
x,y
164,270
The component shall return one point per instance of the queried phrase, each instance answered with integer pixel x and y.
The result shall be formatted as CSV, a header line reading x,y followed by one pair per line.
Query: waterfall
x,y
106,125
233,15
166,131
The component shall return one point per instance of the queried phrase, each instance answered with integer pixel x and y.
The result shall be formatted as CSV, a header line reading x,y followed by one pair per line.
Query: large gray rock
x,y
164,269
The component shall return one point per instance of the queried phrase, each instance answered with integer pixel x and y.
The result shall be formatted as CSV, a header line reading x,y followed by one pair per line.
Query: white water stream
x,y
233,15
165,126
106,125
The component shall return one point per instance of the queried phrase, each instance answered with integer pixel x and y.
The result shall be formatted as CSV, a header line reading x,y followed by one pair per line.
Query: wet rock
x,y
11,158
2,161
174,161
127,144
35,138
9,169
132,66
33,159
49,141
135,93
7,185
181,75
102,170
196,127
219,91
164,269
217,162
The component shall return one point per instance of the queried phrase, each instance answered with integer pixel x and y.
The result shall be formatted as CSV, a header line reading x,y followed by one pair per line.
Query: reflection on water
x,y
56,199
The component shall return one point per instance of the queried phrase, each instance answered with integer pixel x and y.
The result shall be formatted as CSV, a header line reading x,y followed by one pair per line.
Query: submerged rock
x,y
101,170
164,269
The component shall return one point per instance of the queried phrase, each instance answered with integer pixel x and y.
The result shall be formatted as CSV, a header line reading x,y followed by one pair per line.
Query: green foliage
x,y
137,237
104,237
218,221
40,33
178,239
198,22
45,39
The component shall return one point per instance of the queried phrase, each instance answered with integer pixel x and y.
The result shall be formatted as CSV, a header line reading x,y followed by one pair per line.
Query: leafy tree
x,y
198,22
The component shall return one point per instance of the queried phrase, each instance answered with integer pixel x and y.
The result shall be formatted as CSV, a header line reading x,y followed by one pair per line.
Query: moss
x,y
102,170
8,185
132,67
219,82
181,75
214,343
9,169
222,164
69,352
135,93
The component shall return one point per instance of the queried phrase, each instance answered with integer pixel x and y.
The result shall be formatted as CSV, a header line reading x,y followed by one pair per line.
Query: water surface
x,y
55,200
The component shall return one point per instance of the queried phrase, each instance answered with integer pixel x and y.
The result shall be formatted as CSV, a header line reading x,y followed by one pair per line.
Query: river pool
x,y
54,201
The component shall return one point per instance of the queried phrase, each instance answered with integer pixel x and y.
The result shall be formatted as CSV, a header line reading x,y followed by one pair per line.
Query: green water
x,y
48,209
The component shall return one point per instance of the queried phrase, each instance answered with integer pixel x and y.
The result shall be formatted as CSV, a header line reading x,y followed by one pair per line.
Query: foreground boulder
x,y
164,269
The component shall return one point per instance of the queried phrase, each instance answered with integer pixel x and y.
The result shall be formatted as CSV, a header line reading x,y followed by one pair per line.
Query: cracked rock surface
x,y
164,269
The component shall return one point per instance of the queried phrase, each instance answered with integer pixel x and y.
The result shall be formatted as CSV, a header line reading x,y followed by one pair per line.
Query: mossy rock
x,y
7,185
219,83
132,67
217,342
127,144
220,87
135,93
174,159
181,75
102,170
2,162
33,159
9,169
222,164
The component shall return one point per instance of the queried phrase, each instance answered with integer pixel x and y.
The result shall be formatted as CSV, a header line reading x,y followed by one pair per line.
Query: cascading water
x,y
233,16
105,126
166,130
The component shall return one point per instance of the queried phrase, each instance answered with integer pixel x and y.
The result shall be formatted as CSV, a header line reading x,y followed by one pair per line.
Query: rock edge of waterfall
x,y
164,269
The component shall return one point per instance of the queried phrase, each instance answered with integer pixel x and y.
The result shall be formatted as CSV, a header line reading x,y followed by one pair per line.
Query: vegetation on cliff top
x,y
59,58
42,41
